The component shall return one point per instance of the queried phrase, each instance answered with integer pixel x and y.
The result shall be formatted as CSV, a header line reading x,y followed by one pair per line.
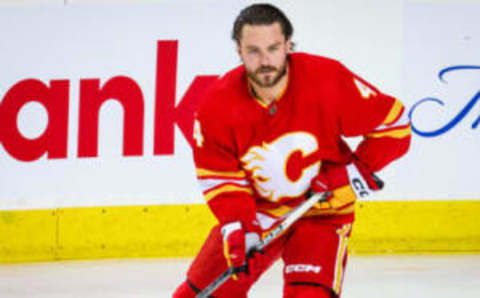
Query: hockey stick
x,y
292,217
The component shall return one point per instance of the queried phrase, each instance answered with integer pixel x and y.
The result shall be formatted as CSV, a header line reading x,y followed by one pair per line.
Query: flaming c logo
x,y
282,168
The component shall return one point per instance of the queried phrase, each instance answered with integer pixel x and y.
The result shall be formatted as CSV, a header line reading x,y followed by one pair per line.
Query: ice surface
x,y
375,276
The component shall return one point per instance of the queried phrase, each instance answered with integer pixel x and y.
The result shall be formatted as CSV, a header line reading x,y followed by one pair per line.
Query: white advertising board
x,y
142,66
442,83
71,56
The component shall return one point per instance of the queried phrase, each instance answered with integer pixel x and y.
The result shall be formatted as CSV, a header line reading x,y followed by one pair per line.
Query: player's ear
x,y
289,46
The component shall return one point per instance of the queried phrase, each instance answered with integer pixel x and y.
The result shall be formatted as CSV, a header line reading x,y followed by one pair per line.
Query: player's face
x,y
263,50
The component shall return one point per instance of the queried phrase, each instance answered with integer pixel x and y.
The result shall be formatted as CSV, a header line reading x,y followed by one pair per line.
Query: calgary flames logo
x,y
281,168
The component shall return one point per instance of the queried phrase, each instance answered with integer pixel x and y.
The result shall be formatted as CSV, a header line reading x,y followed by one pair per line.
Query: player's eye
x,y
273,49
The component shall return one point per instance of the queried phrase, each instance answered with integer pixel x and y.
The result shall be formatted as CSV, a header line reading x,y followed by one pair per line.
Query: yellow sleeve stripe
x,y
226,188
208,173
394,133
395,111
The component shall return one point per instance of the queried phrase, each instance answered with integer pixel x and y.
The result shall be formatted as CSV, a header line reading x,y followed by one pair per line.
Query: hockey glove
x,y
238,242
345,183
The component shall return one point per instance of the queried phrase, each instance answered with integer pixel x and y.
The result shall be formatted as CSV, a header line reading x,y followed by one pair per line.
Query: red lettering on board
x,y
128,93
53,140
125,90
166,114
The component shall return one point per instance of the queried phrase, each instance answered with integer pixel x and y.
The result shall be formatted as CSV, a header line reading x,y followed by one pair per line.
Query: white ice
x,y
373,277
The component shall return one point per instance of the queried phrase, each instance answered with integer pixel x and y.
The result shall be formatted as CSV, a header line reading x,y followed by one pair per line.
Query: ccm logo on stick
x,y
360,188
302,268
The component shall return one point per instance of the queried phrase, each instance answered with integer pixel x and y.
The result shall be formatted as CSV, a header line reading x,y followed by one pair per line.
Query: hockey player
x,y
267,133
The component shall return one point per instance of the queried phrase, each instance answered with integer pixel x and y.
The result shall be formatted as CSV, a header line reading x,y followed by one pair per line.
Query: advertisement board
x,y
97,101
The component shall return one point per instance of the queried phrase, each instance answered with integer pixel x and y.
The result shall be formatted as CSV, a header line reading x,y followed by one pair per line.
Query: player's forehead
x,y
261,35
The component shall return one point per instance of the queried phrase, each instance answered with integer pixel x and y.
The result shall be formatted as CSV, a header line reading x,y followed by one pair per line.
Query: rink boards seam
x,y
381,227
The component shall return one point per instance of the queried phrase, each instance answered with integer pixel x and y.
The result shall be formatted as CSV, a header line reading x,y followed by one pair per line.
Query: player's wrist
x,y
336,178
338,175
366,174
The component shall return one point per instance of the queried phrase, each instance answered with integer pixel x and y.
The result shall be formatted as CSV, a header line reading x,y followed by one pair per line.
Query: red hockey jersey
x,y
258,160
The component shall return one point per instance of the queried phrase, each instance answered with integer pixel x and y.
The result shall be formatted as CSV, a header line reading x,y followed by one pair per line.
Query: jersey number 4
x,y
364,90
197,133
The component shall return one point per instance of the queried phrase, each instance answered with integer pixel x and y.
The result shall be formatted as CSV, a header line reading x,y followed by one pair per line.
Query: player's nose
x,y
264,60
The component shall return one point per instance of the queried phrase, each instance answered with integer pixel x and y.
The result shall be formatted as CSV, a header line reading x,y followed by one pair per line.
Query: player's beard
x,y
270,80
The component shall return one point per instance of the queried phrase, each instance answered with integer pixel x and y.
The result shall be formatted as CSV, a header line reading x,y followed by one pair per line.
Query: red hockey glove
x,y
346,183
238,241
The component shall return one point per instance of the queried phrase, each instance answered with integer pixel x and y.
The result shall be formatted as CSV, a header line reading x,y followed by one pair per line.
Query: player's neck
x,y
269,94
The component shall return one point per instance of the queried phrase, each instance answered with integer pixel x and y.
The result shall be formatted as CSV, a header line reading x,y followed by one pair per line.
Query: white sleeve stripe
x,y
207,184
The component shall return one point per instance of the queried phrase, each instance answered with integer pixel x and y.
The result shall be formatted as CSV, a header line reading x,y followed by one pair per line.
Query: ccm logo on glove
x,y
302,268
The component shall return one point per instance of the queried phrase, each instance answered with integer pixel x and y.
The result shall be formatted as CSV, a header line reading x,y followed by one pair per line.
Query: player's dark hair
x,y
261,14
